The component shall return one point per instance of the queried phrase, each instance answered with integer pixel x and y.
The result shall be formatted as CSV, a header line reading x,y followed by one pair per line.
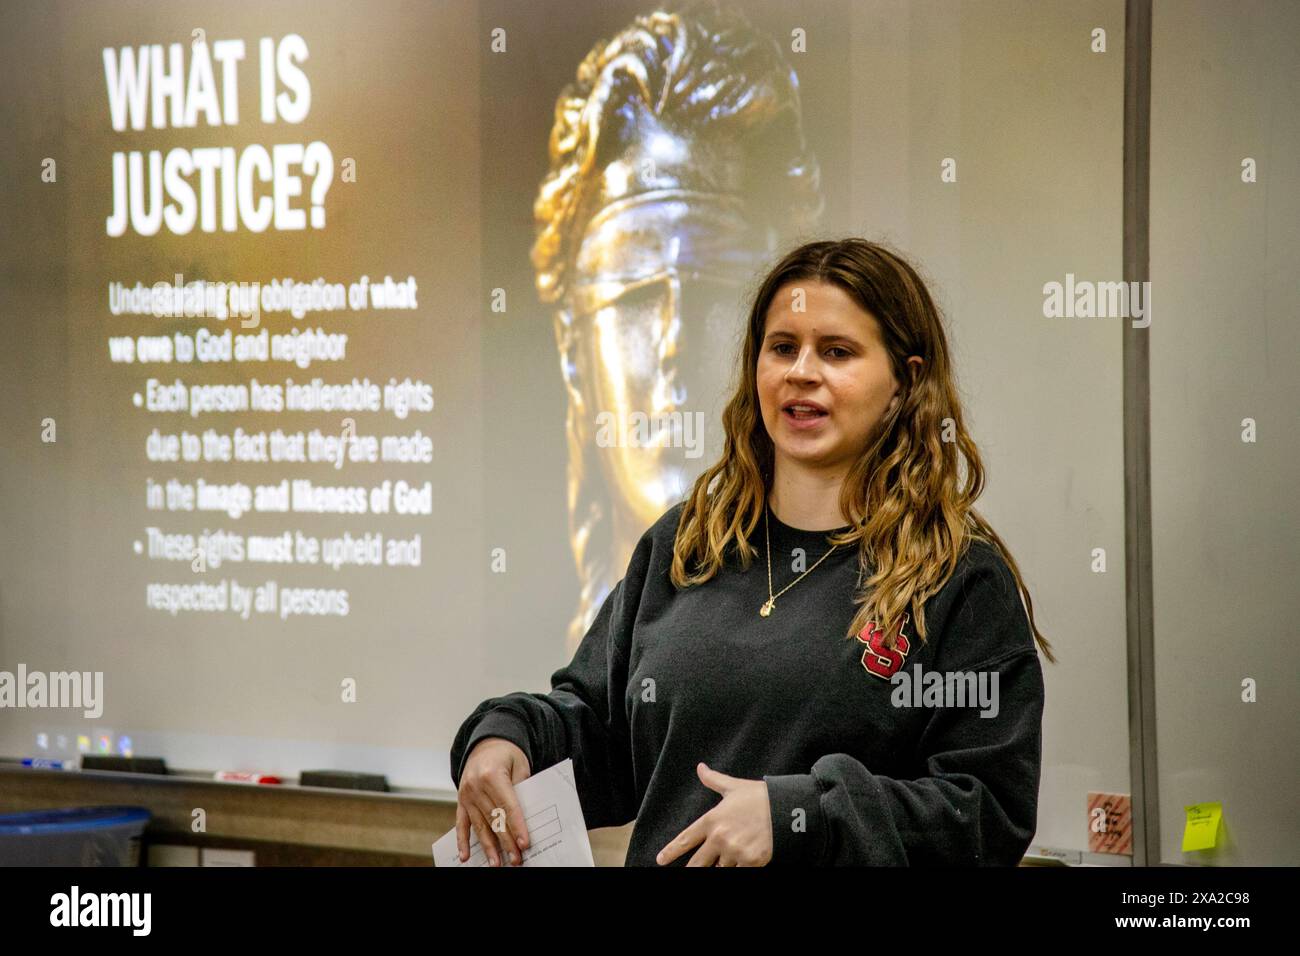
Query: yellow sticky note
x,y
1202,830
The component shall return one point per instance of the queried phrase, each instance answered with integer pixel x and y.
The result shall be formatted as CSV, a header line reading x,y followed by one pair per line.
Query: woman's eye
x,y
837,348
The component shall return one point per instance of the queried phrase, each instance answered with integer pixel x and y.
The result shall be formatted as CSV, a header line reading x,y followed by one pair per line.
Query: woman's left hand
x,y
737,832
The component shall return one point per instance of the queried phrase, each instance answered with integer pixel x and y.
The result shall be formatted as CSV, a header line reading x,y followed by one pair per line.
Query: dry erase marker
x,y
43,763
243,776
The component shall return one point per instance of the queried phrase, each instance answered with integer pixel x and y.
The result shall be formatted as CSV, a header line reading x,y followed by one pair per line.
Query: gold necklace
x,y
770,605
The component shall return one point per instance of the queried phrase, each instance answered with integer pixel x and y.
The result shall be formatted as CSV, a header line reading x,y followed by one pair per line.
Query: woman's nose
x,y
803,368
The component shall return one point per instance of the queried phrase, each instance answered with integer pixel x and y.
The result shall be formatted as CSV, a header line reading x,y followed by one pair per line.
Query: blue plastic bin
x,y
76,836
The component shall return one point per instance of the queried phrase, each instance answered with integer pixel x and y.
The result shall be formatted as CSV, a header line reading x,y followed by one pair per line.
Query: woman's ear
x,y
913,366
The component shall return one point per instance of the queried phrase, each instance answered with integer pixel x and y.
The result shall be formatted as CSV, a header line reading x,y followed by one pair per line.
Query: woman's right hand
x,y
487,785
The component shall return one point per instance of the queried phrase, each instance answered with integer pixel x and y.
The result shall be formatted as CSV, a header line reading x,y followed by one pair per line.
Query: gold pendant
x,y
766,609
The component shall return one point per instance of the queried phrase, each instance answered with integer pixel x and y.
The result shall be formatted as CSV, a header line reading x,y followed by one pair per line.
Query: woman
x,y
858,686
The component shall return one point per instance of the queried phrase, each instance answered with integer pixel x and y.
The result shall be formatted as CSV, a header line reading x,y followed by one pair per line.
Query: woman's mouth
x,y
803,416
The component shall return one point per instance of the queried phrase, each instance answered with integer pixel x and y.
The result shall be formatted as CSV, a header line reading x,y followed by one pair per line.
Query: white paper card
x,y
557,833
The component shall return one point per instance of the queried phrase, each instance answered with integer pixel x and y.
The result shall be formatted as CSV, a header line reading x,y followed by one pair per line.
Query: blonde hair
x,y
906,496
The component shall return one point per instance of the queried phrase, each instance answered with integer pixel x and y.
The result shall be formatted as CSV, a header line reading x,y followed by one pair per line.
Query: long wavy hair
x,y
910,494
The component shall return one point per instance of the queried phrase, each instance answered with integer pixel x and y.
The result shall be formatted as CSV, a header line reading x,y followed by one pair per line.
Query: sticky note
x,y
1202,830
1110,823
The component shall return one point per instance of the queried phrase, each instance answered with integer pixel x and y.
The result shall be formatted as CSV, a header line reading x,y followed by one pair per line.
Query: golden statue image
x,y
678,168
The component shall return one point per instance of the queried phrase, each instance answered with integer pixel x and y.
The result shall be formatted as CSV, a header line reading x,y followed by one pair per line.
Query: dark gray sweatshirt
x,y
870,756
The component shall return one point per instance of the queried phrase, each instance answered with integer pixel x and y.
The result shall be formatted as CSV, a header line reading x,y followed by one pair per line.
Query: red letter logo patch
x,y
879,659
